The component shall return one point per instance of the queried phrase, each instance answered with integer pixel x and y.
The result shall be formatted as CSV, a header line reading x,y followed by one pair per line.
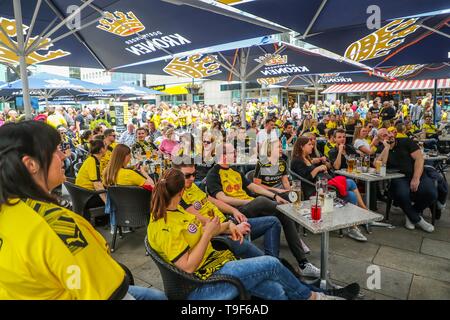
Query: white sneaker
x,y
356,234
305,247
408,224
310,271
323,296
428,227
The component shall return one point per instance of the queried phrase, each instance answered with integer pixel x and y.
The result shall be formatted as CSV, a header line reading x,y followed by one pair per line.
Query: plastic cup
x,y
316,212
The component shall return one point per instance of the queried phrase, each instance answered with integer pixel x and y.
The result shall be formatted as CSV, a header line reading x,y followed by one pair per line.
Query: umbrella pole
x,y
243,65
316,92
22,60
435,100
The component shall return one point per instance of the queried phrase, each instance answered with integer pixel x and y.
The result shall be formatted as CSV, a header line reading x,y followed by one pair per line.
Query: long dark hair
x,y
297,153
32,138
171,183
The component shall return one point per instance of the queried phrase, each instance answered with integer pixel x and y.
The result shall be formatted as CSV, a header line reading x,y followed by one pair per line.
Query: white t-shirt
x,y
264,136
361,143
296,112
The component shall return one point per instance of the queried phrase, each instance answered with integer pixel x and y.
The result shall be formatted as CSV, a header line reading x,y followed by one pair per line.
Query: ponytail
x,y
170,184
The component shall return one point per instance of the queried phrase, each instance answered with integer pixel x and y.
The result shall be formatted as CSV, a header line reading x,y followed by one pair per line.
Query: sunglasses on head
x,y
189,175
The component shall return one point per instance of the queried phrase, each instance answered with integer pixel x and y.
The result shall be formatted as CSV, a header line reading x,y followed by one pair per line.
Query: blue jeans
x,y
351,196
264,277
270,227
401,193
142,293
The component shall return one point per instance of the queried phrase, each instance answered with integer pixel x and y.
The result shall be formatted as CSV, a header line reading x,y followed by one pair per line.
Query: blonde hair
x,y
115,164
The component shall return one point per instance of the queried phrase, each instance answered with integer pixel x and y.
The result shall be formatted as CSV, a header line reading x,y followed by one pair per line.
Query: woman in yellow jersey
x,y
46,251
89,175
116,172
182,240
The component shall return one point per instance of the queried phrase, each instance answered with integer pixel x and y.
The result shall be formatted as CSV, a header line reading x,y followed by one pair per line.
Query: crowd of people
x,y
196,162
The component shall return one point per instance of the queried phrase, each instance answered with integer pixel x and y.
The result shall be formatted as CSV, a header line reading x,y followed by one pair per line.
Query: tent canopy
x,y
299,15
419,71
333,78
266,61
405,85
397,42
43,81
130,31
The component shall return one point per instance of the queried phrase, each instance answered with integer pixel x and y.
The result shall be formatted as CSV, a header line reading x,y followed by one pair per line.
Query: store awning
x,y
387,86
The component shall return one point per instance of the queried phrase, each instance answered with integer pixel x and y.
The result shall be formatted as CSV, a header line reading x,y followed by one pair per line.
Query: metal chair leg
x,y
113,243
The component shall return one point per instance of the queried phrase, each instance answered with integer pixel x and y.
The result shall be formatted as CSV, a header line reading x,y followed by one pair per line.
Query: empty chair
x,y
178,284
131,207
81,199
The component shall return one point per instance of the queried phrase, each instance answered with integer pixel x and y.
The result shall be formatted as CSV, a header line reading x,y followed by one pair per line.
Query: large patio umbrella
x,y
334,78
400,41
419,71
109,33
47,85
120,88
314,16
268,62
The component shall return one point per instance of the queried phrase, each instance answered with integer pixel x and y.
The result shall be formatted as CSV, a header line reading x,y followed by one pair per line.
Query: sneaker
x,y
323,296
310,271
408,224
428,227
349,292
356,234
305,247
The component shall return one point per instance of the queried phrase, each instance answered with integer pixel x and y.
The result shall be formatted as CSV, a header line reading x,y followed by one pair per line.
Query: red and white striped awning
x,y
404,85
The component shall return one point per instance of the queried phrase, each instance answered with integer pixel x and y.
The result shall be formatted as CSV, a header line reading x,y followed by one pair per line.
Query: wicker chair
x,y
179,284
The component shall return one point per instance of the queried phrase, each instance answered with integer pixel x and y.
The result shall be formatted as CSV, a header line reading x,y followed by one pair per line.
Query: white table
x,y
344,217
368,178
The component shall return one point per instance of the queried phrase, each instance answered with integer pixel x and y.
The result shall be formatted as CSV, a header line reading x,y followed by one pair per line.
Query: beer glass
x,y
351,163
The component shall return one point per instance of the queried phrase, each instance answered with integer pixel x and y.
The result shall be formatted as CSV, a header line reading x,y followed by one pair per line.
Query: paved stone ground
x,y
414,264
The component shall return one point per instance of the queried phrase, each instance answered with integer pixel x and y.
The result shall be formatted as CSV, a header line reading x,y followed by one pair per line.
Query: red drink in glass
x,y
316,212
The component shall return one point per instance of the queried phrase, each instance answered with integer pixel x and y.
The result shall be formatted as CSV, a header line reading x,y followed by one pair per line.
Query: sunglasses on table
x,y
189,175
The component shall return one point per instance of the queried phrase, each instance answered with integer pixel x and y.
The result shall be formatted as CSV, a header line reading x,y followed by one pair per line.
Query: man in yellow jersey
x,y
110,143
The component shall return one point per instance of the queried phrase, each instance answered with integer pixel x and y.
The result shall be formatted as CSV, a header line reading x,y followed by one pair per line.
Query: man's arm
x,y
261,191
418,169
223,206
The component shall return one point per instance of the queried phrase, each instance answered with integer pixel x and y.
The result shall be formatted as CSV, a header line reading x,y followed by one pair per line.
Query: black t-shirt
x,y
271,175
299,167
79,118
201,170
321,127
387,113
400,156
374,111
334,153
350,128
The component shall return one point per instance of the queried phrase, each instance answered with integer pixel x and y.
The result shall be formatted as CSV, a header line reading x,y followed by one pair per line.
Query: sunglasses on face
x,y
207,142
189,175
